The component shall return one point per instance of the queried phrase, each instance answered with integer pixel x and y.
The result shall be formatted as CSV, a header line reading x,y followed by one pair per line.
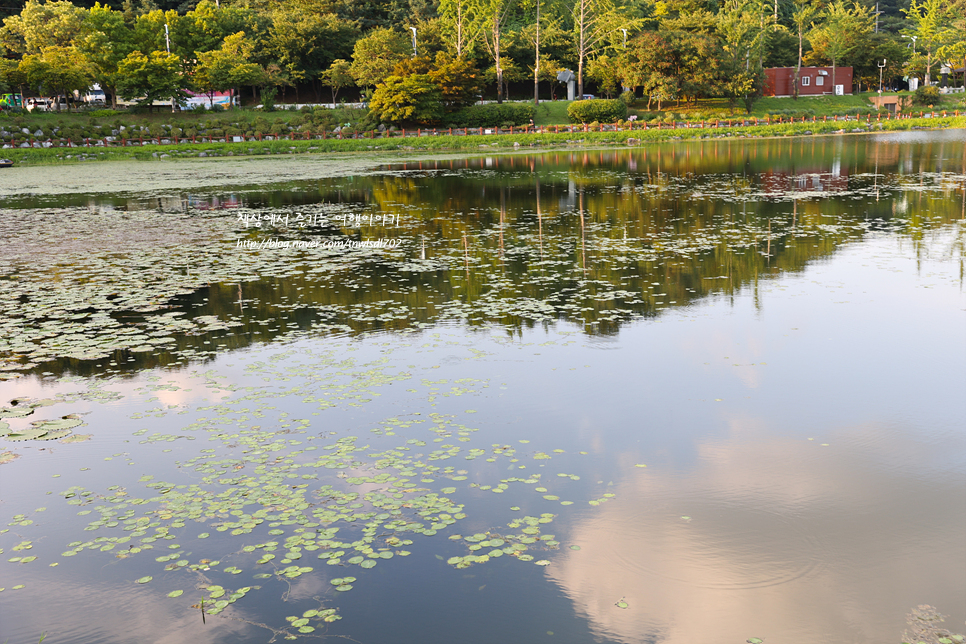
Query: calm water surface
x,y
701,392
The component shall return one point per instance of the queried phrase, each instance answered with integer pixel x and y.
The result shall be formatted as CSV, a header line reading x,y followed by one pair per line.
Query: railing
x,y
629,126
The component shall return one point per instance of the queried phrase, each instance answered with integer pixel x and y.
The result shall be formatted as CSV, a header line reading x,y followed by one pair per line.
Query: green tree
x,y
337,76
149,32
865,60
932,25
57,70
491,18
205,27
414,98
646,63
106,40
375,55
804,16
228,67
458,24
844,28
955,49
695,63
458,80
41,25
151,78
306,43
596,24
743,34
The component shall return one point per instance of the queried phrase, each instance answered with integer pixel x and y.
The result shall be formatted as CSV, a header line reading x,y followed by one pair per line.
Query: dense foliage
x,y
493,115
420,60
600,111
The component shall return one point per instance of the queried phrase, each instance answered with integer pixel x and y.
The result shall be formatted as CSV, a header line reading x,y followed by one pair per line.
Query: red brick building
x,y
812,81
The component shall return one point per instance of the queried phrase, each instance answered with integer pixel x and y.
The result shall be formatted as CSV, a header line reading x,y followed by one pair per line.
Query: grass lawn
x,y
551,113
712,108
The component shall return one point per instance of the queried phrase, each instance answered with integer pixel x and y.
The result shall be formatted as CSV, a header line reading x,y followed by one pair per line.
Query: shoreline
x,y
444,143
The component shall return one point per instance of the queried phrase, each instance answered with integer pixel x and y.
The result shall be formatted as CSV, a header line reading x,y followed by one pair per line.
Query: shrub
x,y
413,98
494,115
605,110
926,95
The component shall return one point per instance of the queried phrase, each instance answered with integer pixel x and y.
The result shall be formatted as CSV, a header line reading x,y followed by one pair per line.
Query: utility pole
x,y
415,53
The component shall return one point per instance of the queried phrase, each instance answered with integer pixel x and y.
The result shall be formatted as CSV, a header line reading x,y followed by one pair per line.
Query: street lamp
x,y
881,67
415,53
625,38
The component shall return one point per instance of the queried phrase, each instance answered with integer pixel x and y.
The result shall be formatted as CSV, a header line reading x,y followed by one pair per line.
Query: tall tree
x,y
932,26
955,48
227,68
543,38
106,40
595,24
57,70
804,15
306,43
459,24
743,41
375,55
843,29
491,18
153,77
41,25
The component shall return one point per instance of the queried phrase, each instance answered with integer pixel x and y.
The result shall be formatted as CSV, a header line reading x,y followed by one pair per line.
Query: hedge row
x,y
493,115
597,110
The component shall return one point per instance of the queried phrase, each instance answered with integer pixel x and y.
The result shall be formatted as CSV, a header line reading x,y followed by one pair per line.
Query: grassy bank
x,y
36,156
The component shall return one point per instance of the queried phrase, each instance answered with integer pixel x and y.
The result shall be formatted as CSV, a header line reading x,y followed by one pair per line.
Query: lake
x,y
704,391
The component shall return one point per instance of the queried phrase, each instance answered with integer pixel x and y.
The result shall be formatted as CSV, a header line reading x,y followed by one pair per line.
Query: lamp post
x,y
881,67
625,38
415,53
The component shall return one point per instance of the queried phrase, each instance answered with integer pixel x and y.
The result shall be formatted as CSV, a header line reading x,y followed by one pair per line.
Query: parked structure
x,y
812,81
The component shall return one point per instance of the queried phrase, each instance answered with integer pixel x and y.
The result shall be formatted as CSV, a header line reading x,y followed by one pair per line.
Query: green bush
x,y
494,115
926,95
603,110
96,113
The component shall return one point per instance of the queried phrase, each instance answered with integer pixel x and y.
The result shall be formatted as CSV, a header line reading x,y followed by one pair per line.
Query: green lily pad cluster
x,y
20,410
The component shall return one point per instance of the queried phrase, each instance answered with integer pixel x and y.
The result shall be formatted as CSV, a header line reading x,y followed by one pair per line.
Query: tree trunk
x,y
459,30
798,70
581,51
496,50
536,64
833,77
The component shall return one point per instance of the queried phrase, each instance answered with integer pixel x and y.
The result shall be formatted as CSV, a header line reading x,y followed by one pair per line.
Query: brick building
x,y
813,81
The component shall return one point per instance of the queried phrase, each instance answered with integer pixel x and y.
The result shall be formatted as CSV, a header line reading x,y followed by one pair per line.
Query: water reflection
x,y
593,238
